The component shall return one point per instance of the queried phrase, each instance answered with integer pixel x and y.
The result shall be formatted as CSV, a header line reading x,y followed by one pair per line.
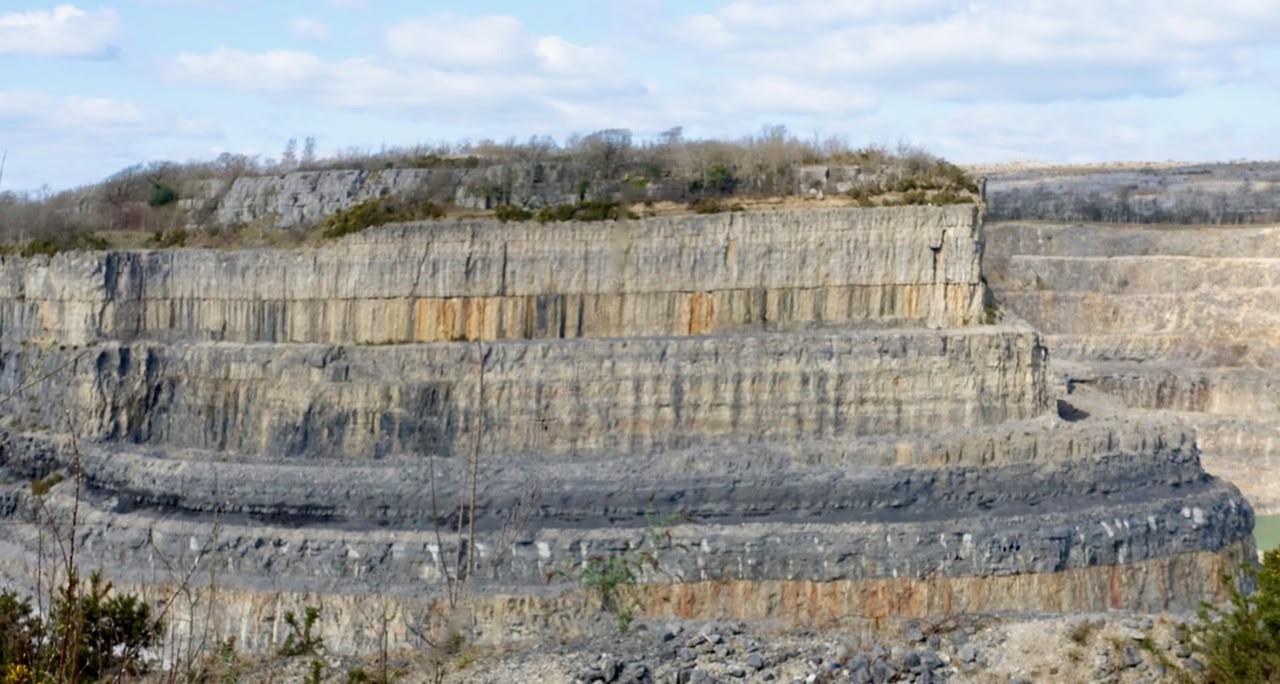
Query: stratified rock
x,y
793,416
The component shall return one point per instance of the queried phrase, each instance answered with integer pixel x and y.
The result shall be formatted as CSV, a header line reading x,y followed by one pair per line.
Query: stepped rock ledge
x,y
804,416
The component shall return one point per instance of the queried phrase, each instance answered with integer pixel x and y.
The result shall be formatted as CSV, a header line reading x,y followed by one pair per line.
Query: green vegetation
x,y
63,243
594,171
377,212
168,238
89,634
162,194
715,206
508,212
1241,643
612,576
716,180
922,179
42,486
302,639
587,210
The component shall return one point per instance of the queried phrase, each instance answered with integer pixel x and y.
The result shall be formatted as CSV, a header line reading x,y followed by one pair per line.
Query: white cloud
x,y
306,28
64,31
22,108
1029,51
453,41
786,96
72,139
442,66
274,71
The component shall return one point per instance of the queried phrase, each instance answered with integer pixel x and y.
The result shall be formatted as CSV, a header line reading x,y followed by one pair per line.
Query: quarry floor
x,y
1111,647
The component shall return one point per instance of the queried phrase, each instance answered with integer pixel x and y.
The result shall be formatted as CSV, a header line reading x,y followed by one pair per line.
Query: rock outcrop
x,y
791,415
302,198
1178,319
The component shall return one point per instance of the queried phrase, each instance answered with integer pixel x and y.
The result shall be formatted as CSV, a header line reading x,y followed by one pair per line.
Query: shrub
x,y
912,197
108,631
950,197
63,243
20,631
593,210
162,195
302,640
377,212
613,577
90,632
715,206
1241,643
508,212
720,180
168,238
42,486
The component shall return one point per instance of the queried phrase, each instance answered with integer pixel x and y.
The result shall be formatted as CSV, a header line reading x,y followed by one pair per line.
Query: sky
x,y
88,88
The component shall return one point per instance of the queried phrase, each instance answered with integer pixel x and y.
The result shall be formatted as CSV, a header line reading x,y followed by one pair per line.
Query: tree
x,y
289,156
309,150
605,152
1242,643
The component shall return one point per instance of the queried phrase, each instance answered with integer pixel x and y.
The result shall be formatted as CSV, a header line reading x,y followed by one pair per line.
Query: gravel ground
x,y
1112,648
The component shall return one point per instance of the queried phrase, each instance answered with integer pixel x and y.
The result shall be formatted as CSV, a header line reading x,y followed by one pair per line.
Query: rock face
x,y
303,198
1178,319
792,415
1230,193
692,275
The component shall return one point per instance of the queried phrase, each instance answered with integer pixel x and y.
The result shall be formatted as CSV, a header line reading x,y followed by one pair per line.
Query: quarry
x,y
812,417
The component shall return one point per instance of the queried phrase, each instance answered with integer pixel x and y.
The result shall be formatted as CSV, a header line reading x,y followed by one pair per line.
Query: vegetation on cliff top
x,y
377,212
158,199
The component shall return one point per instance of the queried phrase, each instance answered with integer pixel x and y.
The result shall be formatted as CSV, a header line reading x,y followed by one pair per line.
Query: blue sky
x,y
87,88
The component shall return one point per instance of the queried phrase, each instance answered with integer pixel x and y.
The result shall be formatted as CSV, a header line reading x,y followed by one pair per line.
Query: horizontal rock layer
x,y
632,396
447,281
773,437
1183,319
359,623
304,198
774,520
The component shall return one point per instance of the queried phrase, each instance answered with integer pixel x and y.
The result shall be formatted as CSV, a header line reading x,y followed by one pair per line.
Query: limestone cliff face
x,y
599,396
769,271
807,402
303,198
1181,319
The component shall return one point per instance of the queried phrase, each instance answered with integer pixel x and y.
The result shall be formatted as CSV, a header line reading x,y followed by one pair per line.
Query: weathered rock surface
x,y
1227,193
804,423
1183,319
449,281
303,198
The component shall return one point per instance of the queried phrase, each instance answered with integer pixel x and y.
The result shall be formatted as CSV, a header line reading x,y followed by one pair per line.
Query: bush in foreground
x,y
1241,643
90,634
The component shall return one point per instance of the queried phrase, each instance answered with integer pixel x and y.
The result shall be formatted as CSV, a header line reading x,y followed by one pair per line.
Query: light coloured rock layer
x,y
794,414
304,198
592,396
447,281
1177,318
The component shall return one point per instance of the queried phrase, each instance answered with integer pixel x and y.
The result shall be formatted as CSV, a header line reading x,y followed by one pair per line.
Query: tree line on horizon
x,y
148,196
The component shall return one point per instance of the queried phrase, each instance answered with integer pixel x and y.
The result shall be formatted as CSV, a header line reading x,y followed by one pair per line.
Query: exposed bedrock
x,y
607,396
303,198
450,281
978,521
1183,319
847,443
